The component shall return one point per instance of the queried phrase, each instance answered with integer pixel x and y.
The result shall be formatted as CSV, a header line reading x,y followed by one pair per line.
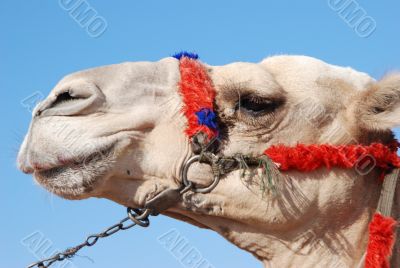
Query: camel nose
x,y
74,98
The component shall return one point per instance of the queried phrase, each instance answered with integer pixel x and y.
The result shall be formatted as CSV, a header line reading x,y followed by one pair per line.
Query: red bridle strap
x,y
310,157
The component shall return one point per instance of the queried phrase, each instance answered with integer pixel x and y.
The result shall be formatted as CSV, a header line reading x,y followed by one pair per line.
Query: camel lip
x,y
74,179
71,162
48,172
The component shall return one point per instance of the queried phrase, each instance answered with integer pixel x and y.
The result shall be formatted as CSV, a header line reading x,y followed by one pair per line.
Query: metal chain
x,y
135,216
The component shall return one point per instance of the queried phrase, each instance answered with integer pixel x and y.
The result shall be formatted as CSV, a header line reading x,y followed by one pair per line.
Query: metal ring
x,y
186,181
139,218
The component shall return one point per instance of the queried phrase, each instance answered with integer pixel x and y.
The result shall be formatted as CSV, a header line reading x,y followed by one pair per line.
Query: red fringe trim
x,y
197,92
310,157
380,242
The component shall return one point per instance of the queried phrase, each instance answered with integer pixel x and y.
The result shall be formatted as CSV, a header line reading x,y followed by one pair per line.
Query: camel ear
x,y
379,108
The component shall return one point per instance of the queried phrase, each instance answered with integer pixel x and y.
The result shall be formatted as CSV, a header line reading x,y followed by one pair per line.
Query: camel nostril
x,y
64,98
72,99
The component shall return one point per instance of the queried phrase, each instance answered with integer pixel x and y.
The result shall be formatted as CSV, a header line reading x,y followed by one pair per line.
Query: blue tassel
x,y
181,54
207,117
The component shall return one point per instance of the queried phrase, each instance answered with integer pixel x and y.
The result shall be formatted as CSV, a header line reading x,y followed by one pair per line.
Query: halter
x,y
198,96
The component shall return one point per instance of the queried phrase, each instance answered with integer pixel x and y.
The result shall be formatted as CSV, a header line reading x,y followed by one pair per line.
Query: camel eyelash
x,y
255,106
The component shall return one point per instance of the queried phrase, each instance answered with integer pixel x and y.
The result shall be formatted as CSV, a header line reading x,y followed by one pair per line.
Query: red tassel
x,y
380,242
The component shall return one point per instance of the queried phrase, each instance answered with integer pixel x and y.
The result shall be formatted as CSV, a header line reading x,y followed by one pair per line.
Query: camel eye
x,y
257,106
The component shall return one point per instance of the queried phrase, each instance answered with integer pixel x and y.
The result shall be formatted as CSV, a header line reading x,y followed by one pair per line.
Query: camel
x,y
118,132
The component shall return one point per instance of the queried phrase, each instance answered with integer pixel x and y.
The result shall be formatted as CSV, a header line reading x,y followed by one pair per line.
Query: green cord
x,y
266,178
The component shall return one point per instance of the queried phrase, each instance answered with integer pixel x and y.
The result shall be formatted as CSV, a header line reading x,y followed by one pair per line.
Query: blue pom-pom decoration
x,y
207,117
181,54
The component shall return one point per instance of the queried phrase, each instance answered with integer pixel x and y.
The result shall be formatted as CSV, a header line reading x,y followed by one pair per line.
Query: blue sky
x,y
41,42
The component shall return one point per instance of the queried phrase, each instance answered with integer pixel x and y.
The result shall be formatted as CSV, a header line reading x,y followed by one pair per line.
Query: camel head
x,y
118,132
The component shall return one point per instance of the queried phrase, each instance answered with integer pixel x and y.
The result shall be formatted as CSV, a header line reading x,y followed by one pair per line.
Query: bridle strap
x,y
383,218
386,198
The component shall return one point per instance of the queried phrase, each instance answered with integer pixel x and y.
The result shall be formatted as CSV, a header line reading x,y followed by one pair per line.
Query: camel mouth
x,y
76,178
